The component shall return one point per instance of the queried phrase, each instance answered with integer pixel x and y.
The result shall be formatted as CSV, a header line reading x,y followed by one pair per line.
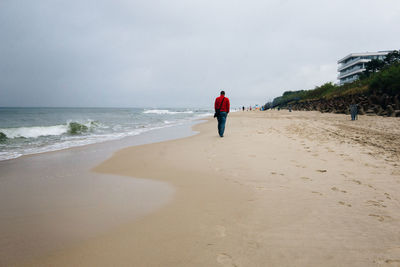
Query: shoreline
x,y
281,189
147,131
52,200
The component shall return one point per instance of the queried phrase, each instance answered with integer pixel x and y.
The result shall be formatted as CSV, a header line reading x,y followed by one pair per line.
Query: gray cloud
x,y
180,53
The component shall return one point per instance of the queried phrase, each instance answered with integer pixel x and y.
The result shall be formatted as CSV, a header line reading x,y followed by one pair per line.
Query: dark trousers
x,y
221,123
353,112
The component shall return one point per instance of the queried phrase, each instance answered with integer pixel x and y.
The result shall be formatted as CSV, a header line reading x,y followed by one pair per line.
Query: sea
x,y
25,131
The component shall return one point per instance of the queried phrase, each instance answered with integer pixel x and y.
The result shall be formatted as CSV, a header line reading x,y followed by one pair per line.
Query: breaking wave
x,y
35,130
3,137
79,128
72,128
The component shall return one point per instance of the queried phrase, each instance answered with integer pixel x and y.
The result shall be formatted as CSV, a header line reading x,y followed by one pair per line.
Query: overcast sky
x,y
180,53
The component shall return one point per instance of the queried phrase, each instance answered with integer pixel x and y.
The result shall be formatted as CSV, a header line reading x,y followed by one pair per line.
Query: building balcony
x,y
357,71
366,55
352,69
357,60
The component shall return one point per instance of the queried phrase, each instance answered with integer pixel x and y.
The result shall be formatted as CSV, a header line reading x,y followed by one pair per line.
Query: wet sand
x,y
52,201
280,189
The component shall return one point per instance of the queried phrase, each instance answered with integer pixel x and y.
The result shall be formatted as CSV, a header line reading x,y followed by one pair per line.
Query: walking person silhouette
x,y
221,107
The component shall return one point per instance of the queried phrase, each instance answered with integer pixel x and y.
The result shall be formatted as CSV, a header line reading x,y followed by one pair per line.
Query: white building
x,y
351,66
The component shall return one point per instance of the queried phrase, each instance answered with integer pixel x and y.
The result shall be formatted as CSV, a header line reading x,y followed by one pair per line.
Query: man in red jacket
x,y
221,107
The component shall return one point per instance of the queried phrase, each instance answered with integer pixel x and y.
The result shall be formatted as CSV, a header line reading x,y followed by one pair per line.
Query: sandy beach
x,y
280,189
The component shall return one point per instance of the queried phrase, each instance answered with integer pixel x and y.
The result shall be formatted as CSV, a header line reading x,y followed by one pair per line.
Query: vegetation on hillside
x,y
380,77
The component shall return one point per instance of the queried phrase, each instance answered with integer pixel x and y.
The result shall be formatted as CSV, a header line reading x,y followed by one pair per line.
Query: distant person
x,y
354,112
221,107
243,108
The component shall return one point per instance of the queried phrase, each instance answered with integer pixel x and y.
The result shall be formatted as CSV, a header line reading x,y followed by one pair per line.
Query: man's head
x,y
222,92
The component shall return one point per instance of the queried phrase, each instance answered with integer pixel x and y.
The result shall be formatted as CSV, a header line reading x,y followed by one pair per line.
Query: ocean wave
x,y
34,132
80,128
71,127
24,140
166,111
3,137
75,141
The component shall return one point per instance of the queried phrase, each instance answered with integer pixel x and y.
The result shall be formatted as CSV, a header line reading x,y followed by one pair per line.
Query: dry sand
x,y
280,189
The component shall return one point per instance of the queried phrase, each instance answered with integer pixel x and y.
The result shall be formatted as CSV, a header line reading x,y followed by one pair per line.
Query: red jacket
x,y
225,105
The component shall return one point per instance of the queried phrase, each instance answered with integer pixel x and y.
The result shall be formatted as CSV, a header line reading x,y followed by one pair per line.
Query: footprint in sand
x,y
388,196
390,261
356,181
220,231
337,189
370,186
225,260
376,203
306,178
344,203
322,171
380,218
315,192
390,257
396,172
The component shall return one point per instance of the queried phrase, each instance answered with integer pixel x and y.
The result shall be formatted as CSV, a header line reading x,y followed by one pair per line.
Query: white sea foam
x,y
204,115
34,132
38,131
166,111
